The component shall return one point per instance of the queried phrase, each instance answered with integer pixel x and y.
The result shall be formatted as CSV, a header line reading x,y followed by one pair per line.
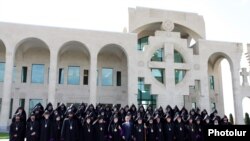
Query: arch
x,y
150,28
112,67
74,45
29,42
246,105
218,86
2,60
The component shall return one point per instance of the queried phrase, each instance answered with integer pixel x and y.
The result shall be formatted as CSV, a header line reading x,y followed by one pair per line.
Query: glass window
x,y
85,77
14,74
213,106
211,80
0,104
158,74
141,42
193,105
74,75
118,78
158,55
179,75
22,102
11,107
37,73
2,68
107,77
61,76
33,103
24,74
178,57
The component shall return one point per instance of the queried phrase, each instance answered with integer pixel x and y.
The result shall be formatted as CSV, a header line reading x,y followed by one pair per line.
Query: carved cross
x,y
244,75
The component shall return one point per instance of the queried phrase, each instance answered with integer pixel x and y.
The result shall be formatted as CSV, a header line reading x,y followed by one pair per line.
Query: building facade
x,y
163,60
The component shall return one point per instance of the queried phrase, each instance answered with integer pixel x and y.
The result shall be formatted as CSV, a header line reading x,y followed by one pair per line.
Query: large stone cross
x,y
244,75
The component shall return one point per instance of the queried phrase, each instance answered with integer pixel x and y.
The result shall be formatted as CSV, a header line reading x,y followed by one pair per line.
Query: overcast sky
x,y
225,20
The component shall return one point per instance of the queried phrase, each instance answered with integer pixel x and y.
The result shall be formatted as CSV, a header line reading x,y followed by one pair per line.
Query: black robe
x,y
70,130
139,132
169,131
87,132
17,131
191,134
115,132
56,130
45,130
180,132
199,132
159,134
100,132
32,127
151,132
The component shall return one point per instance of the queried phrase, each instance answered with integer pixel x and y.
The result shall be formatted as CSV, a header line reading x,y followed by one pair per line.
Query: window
x,y
37,73
22,102
213,105
141,42
144,96
118,78
61,76
158,55
74,75
14,74
211,80
24,74
193,105
158,74
2,68
0,104
48,76
85,77
178,57
107,77
11,107
33,103
179,75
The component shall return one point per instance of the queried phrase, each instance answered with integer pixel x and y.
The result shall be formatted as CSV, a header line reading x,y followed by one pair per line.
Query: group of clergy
x,y
111,123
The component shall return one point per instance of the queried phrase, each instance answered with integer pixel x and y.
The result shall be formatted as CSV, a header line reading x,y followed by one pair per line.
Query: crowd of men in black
x,y
106,123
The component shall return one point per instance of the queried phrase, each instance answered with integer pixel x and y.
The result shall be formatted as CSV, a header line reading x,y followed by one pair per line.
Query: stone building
x,y
164,59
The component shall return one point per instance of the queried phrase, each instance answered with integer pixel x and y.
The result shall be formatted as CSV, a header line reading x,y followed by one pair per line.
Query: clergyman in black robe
x,y
168,128
70,128
115,130
56,128
159,134
100,129
151,130
45,127
32,129
17,129
180,130
88,130
139,130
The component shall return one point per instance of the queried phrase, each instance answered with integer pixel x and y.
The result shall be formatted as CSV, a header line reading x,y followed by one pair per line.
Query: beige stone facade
x,y
169,31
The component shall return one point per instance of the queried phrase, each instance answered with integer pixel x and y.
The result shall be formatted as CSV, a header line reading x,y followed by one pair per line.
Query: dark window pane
x,y
11,106
61,76
24,74
22,102
178,57
158,55
118,78
158,74
85,77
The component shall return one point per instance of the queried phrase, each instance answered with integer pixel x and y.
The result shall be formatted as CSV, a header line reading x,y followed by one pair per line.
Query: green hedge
x,y
4,135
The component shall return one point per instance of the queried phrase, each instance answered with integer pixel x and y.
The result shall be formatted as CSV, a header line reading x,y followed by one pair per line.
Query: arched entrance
x,y
220,84
246,105
31,73
112,75
73,72
2,70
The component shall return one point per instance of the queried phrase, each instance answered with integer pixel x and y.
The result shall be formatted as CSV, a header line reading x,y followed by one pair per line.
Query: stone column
x,y
4,117
52,78
93,79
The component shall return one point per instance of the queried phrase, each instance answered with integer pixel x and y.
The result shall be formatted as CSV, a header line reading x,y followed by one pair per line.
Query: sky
x,y
225,20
